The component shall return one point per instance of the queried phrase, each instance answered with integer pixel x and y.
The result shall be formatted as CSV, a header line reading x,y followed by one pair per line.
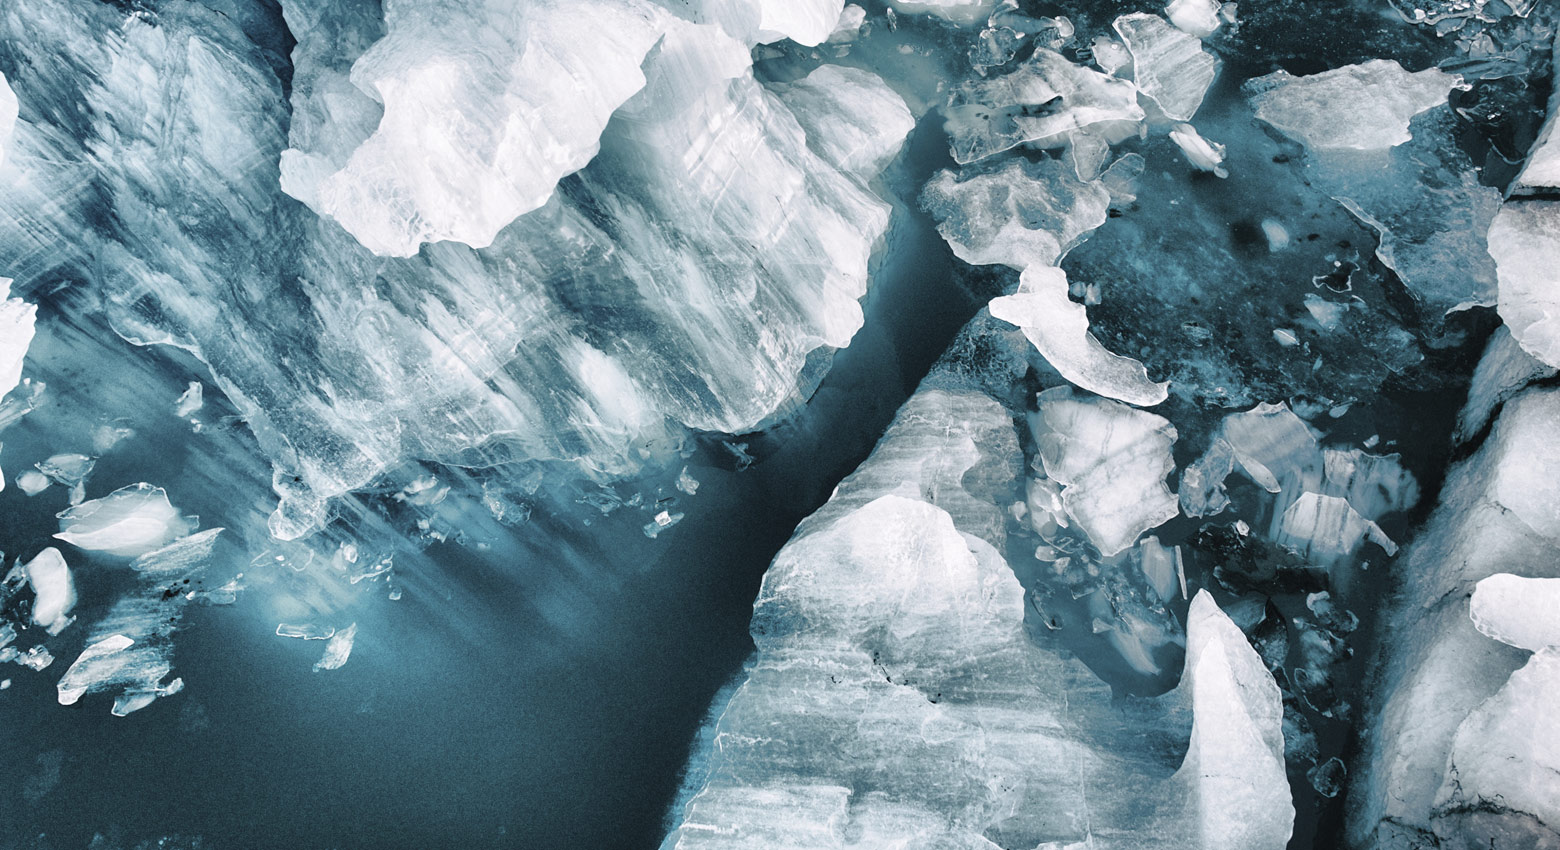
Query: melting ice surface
x,y
778,423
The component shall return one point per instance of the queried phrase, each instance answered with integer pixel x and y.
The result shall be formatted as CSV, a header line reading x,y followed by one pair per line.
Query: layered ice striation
x,y
695,273
896,700
1459,752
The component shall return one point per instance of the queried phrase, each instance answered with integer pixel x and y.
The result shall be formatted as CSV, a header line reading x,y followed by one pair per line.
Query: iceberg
x,y
896,700
693,274
17,321
475,134
1451,699
9,109
1233,777
1517,611
1504,370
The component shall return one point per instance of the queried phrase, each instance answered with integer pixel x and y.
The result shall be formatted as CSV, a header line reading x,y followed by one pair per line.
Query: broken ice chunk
x,y
32,482
957,11
1232,781
1524,240
687,483
849,24
191,400
1201,153
128,522
1162,568
1024,213
1359,107
69,470
1521,612
1169,67
119,660
304,631
55,589
1110,54
1278,239
338,650
1111,461
1197,17
661,522
182,554
1327,529
1058,327
986,117
89,666
16,333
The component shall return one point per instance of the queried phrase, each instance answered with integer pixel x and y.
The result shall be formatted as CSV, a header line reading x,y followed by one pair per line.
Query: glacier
x,y
778,423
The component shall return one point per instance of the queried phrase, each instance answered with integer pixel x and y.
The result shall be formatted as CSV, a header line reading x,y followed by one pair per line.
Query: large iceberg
x,y
693,274
896,700
1454,755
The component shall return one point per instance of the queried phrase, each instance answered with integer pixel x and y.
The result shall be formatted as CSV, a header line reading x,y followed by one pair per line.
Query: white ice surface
x,y
1359,107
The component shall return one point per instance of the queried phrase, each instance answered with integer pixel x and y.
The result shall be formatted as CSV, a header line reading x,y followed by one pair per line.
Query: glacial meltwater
x,y
770,424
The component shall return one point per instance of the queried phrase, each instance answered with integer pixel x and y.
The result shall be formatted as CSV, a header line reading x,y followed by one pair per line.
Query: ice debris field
x,y
779,424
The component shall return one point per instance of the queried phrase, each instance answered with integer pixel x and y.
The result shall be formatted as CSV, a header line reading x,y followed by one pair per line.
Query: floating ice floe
x,y
1201,153
1111,461
51,580
1356,107
338,650
192,399
131,648
1058,327
1021,214
1327,499
130,521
